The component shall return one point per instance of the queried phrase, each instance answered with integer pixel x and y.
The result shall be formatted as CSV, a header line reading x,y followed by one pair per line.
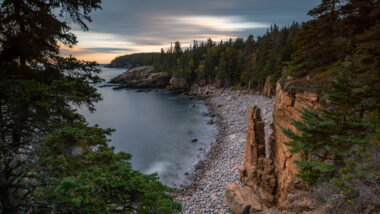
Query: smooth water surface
x,y
156,127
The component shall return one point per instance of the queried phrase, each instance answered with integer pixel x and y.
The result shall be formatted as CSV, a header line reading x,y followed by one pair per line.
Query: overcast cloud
x,y
130,26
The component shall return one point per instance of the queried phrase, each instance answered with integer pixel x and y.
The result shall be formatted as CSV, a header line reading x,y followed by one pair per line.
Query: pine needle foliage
x,y
326,136
51,160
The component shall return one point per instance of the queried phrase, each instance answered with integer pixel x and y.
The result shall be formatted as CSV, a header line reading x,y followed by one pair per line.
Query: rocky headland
x,y
144,77
141,77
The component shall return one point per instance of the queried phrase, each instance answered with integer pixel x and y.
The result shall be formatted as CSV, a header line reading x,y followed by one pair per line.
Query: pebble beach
x,y
220,166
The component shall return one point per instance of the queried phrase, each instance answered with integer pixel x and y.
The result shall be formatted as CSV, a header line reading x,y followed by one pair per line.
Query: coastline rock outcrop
x,y
286,108
141,77
268,90
258,169
178,84
257,172
268,167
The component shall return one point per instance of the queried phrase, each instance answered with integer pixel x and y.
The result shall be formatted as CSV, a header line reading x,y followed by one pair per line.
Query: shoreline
x,y
205,188
219,167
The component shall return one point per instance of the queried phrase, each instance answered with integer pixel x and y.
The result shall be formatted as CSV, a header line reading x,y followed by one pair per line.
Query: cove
x,y
155,127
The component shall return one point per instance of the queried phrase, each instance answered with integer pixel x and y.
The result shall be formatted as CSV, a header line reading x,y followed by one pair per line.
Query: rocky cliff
x,y
145,77
268,166
287,107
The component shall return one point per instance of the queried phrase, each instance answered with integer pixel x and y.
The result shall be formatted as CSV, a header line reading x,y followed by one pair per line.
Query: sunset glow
x,y
125,28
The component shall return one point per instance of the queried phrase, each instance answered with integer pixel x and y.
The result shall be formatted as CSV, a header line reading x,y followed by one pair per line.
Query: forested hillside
x,y
244,62
339,29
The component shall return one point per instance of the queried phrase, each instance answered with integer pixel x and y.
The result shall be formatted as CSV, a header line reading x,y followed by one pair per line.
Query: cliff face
x,y
268,168
287,107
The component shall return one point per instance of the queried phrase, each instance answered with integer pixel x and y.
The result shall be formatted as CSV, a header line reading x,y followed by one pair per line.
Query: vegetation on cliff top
x,y
339,142
51,161
133,60
300,51
235,62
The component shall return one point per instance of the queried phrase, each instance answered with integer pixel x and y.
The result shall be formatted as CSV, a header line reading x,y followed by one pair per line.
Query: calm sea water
x,y
156,127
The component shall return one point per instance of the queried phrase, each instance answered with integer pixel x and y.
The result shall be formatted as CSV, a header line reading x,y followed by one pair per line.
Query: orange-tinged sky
x,y
133,26
83,53
103,48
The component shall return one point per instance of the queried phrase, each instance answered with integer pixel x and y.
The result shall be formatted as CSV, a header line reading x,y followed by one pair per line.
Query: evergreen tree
x,y
134,60
333,34
327,135
40,130
235,62
92,181
316,44
177,49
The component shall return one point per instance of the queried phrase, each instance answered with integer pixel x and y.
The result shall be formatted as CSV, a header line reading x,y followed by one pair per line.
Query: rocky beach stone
x,y
242,199
207,192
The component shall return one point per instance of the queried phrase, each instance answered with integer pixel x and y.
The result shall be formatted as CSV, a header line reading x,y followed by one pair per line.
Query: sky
x,y
135,26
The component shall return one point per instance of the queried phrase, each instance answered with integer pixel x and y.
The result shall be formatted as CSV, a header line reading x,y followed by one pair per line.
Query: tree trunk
x,y
8,205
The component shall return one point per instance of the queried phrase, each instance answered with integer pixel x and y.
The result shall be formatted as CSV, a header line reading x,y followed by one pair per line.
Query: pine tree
x,y
316,44
326,136
40,127
243,63
92,181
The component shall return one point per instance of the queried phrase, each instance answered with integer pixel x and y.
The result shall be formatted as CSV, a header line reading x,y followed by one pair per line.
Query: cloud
x,y
66,51
110,50
148,25
220,23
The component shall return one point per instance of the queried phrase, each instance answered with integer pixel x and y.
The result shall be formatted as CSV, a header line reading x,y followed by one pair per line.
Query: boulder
x,y
268,89
242,199
178,84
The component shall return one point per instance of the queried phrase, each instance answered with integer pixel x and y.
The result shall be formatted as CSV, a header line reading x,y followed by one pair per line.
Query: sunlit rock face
x,y
257,170
268,170
287,107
